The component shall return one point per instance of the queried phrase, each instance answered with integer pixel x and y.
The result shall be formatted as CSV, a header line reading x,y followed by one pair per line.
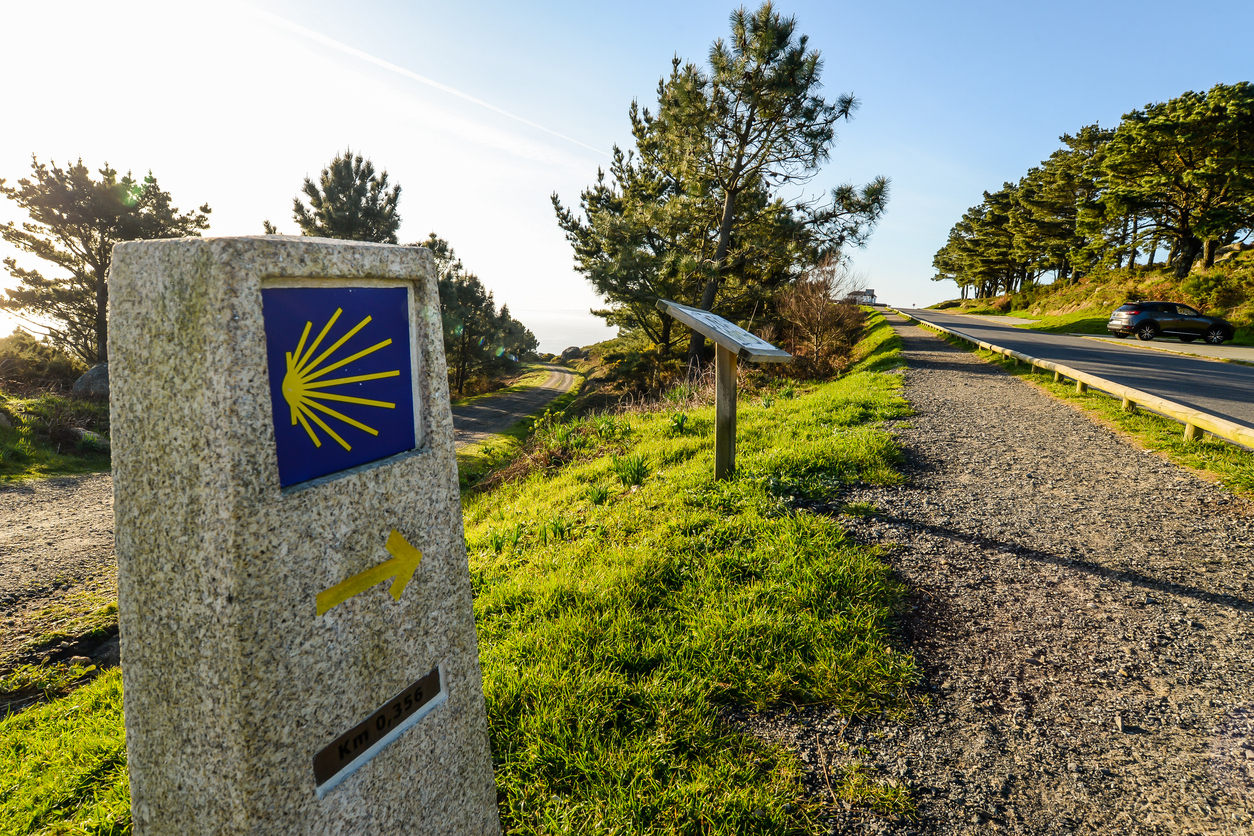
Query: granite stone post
x,y
298,643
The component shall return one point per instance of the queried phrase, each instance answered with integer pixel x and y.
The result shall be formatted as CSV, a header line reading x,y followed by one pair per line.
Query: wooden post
x,y
724,413
1081,387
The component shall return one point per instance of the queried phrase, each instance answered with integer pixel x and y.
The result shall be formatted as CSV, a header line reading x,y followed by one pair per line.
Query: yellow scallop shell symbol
x,y
302,385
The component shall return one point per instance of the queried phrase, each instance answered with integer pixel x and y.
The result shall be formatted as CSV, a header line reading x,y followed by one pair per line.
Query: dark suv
x,y
1149,319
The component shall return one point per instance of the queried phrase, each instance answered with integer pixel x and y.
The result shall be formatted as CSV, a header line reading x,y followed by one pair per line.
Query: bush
x,y
821,325
1214,289
27,363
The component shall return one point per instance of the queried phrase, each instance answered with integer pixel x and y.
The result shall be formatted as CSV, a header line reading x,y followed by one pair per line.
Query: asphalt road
x,y
1223,389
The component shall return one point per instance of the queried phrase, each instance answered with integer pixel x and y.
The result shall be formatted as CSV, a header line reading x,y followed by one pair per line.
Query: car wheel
x,y
1215,335
1146,331
1188,338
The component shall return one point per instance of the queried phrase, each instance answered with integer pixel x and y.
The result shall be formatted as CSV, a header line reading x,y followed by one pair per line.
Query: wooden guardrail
x,y
1194,420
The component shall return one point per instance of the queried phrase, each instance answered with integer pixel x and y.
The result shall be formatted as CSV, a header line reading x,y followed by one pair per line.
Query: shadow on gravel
x,y
1130,578
964,368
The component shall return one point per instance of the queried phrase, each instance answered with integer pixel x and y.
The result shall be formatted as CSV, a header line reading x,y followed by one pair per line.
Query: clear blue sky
x,y
235,103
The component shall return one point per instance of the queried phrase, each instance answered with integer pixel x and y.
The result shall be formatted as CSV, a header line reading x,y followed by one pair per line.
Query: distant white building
x,y
866,296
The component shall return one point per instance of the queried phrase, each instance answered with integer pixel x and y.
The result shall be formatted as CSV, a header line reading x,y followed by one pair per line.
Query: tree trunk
x,y
1190,248
1208,258
1123,242
102,317
1132,254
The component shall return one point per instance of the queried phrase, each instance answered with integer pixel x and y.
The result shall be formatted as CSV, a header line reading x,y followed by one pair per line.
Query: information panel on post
x,y
731,344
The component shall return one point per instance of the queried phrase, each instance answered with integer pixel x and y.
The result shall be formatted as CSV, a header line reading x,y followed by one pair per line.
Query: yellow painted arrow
x,y
404,561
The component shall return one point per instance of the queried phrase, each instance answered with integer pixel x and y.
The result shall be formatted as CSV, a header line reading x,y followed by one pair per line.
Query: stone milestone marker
x,y
298,642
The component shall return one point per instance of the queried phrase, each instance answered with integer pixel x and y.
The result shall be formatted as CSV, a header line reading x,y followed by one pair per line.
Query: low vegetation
x,y
625,603
43,430
63,765
52,434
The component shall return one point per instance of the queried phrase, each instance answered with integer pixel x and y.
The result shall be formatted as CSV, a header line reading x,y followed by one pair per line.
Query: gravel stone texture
x,y
1081,613
56,538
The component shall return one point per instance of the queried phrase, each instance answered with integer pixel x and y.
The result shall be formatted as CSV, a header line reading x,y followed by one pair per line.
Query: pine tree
x,y
74,222
349,201
1187,166
699,211
477,337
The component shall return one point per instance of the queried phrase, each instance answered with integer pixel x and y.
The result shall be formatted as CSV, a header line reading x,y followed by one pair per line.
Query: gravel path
x,y
1082,614
485,418
56,537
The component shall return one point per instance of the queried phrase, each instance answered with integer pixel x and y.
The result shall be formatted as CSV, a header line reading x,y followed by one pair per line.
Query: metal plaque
x,y
369,737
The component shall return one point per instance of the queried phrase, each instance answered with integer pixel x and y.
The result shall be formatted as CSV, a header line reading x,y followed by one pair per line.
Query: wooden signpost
x,y
731,345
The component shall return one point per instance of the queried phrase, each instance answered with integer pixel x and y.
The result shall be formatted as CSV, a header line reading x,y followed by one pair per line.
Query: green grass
x,y
879,350
63,765
1090,321
618,623
36,444
29,684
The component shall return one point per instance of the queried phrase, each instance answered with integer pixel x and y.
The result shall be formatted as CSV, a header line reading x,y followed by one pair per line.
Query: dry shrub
x,y
555,442
821,326
29,365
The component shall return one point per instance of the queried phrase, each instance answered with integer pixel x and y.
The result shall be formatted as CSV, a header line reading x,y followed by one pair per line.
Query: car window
x,y
1185,310
1164,308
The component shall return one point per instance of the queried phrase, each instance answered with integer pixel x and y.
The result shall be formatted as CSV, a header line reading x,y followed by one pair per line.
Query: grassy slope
x,y
612,634
29,448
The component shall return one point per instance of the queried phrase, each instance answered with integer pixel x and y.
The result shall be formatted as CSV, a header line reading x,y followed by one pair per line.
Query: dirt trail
x,y
1083,615
56,538
485,418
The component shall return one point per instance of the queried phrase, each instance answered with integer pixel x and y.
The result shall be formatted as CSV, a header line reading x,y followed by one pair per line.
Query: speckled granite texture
x,y
232,681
